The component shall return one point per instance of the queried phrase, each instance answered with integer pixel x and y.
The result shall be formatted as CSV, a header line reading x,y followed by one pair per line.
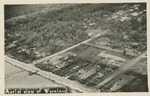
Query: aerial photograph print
x,y
75,48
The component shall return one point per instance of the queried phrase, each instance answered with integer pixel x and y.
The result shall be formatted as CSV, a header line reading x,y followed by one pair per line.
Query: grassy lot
x,y
139,84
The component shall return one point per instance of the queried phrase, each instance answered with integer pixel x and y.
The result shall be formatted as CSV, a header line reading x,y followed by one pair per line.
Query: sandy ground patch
x,y
22,79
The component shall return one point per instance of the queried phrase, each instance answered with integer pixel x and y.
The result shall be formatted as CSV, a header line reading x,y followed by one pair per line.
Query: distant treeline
x,y
24,9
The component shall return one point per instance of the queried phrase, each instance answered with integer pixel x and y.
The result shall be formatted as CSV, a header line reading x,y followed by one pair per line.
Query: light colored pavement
x,y
122,69
60,80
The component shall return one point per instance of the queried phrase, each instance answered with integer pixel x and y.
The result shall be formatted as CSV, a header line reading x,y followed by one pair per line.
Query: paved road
x,y
60,80
122,69
45,58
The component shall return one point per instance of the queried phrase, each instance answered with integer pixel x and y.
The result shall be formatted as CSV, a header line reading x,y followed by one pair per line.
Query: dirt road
x,y
119,51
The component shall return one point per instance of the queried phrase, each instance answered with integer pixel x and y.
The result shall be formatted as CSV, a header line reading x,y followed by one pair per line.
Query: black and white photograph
x,y
75,48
